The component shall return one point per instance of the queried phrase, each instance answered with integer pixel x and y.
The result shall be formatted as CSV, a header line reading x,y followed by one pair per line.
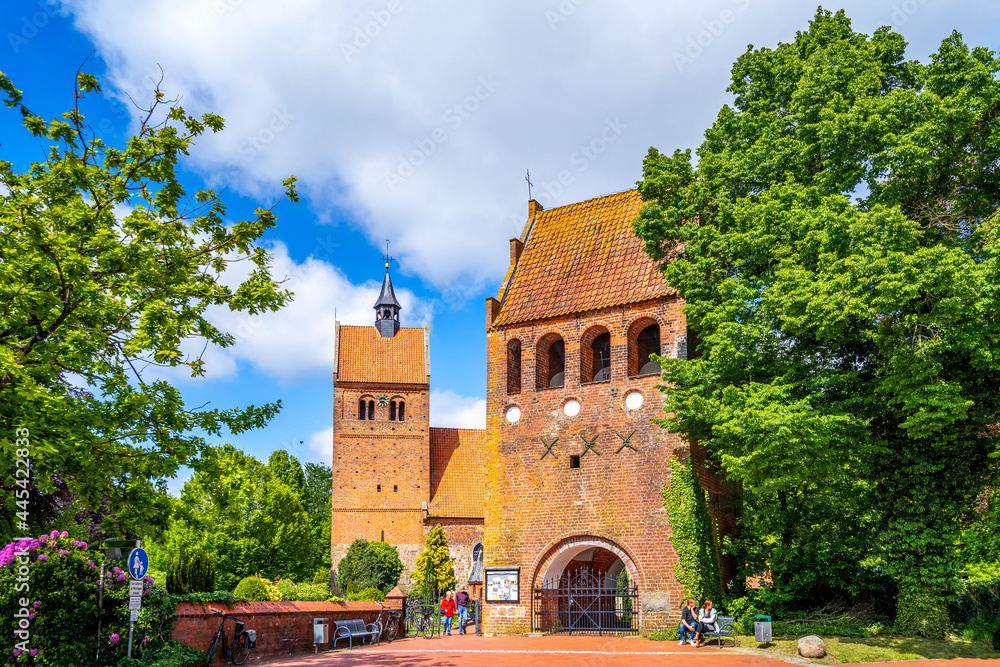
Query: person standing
x,y
689,624
447,611
462,607
706,621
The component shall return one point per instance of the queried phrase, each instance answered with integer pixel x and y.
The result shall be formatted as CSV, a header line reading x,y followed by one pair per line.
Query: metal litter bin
x,y
762,628
321,631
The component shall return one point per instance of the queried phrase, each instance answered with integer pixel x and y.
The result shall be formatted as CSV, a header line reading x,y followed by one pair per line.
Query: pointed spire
x,y
387,307
387,297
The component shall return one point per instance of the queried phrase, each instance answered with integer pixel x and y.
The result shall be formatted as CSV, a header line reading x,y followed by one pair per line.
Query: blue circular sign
x,y
137,563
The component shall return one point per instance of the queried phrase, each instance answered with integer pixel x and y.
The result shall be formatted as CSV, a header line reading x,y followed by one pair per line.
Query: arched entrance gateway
x,y
586,584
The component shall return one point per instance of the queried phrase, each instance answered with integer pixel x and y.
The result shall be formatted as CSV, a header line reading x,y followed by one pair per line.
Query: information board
x,y
502,585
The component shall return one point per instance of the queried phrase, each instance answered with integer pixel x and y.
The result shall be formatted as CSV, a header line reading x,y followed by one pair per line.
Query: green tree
x,y
316,499
287,468
250,521
433,566
107,269
369,565
836,247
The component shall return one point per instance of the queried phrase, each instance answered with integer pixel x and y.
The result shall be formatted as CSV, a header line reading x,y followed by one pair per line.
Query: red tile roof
x,y
457,472
365,356
580,257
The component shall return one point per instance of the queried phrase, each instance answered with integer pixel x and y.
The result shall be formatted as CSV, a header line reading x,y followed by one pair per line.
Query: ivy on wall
x,y
687,509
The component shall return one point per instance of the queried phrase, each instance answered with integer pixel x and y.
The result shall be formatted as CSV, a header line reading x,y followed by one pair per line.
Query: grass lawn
x,y
840,650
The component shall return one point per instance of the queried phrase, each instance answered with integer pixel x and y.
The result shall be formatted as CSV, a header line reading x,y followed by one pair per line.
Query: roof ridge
x,y
588,201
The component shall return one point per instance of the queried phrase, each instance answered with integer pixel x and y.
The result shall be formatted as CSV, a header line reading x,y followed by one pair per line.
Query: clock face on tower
x,y
382,400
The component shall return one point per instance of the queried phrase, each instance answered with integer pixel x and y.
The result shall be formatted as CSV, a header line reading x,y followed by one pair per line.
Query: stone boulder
x,y
812,647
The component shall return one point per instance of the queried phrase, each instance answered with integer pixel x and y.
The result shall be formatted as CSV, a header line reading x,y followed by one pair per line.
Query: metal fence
x,y
586,602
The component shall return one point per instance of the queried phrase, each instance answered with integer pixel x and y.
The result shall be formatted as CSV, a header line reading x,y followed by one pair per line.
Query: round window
x,y
513,414
634,400
571,408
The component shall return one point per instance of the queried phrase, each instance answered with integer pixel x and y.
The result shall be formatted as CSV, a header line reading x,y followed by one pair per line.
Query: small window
x,y
361,409
574,461
392,411
514,366
395,488
401,411
371,410
601,361
647,343
378,488
550,362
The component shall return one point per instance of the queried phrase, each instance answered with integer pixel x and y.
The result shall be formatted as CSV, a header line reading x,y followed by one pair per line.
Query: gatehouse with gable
x,y
554,512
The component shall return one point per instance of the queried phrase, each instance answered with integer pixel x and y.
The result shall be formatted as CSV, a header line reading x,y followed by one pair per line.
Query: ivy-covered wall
x,y
699,570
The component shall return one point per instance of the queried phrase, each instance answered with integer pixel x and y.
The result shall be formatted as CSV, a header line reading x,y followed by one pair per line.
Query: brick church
x,y
555,512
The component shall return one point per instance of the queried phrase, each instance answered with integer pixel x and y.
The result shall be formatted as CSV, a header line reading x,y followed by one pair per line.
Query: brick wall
x,y
540,507
282,627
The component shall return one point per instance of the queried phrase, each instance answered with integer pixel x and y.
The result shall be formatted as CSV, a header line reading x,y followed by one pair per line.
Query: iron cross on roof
x,y
387,259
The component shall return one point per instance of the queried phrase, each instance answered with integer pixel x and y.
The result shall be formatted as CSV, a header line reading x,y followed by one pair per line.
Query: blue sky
x,y
412,120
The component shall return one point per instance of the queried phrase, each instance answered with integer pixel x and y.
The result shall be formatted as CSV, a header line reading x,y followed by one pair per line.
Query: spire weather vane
x,y
527,177
387,258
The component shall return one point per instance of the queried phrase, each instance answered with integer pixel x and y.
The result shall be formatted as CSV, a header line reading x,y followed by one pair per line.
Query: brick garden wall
x,y
536,506
282,627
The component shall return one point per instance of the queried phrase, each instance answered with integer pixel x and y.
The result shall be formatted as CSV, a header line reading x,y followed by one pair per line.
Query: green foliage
x,y
996,639
976,608
287,468
108,268
370,594
316,500
190,573
836,248
62,591
303,592
369,565
252,588
433,565
698,569
273,594
743,610
248,520
624,606
322,577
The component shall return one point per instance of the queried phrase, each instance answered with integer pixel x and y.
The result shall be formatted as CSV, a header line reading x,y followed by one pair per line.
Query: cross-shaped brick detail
x,y
589,445
548,448
626,442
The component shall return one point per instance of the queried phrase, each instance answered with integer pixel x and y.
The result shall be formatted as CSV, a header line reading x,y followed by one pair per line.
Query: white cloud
x,y
297,340
451,410
320,447
465,95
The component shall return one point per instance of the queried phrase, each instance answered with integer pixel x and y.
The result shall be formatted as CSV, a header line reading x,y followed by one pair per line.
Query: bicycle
x,y
387,632
239,649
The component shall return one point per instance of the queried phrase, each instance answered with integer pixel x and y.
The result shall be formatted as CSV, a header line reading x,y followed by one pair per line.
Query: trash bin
x,y
321,631
762,628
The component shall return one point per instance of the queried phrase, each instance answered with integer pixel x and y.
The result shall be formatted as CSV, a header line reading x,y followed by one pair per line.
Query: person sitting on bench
x,y
706,621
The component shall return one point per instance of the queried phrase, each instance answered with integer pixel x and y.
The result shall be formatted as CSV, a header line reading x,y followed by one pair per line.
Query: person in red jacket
x,y
447,611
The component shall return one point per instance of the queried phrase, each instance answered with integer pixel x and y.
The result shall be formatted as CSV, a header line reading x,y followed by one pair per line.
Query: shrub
x,y
367,565
252,588
371,594
62,580
303,592
322,577
996,639
190,573
273,594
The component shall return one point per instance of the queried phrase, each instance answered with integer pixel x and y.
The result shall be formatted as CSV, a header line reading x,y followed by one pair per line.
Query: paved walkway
x,y
551,651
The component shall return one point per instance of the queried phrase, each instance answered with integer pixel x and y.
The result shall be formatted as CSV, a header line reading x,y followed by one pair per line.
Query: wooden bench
x,y
724,628
351,629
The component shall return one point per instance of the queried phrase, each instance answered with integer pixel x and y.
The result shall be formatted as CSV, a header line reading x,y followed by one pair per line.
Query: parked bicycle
x,y
239,648
387,630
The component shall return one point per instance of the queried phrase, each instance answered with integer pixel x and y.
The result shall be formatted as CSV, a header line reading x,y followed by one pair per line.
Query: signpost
x,y
137,565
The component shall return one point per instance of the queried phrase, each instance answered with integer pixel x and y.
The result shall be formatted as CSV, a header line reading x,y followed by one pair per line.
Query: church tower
x,y
381,432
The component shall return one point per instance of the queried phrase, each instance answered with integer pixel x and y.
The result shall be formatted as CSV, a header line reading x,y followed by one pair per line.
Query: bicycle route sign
x,y
137,563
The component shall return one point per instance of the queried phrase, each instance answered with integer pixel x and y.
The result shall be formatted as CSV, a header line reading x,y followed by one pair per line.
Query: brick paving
x,y
553,651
